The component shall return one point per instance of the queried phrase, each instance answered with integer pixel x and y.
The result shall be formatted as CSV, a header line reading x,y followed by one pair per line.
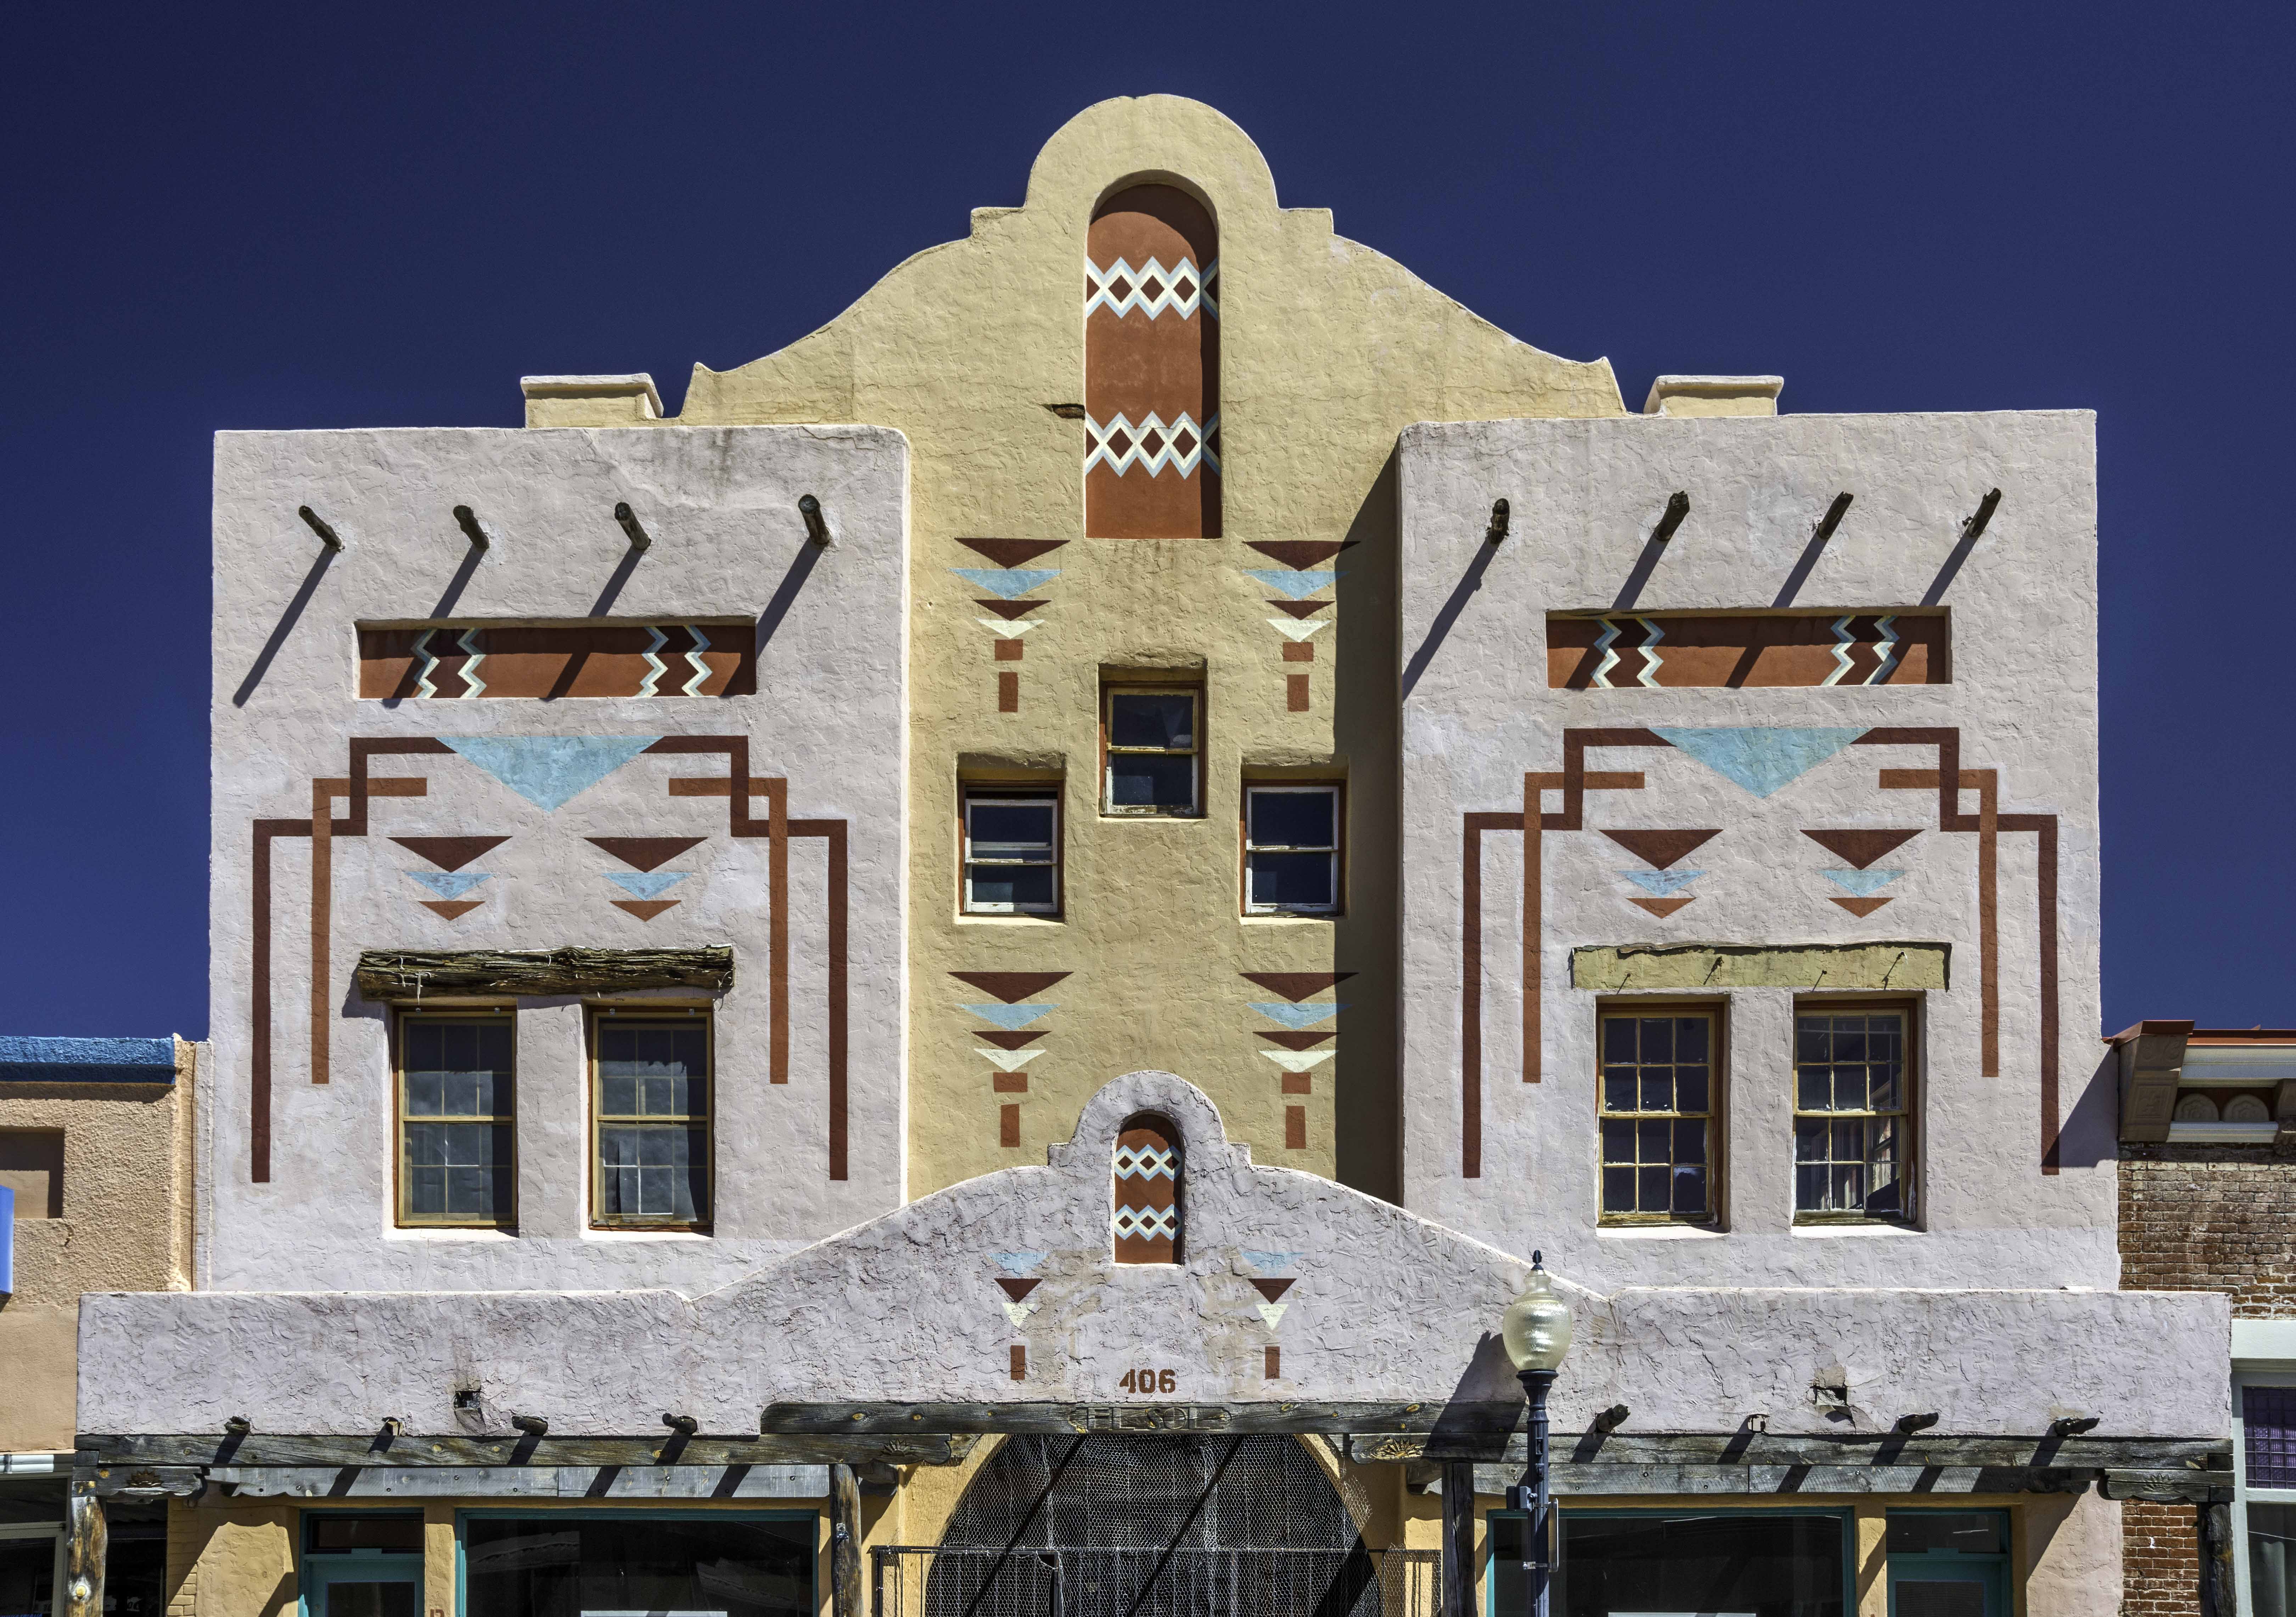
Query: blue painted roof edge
x,y
102,1060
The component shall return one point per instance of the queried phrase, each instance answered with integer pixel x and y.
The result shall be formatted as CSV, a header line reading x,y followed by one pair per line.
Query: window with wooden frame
x,y
1658,1113
1151,737
650,1131
1853,1112
456,1101
1291,849
1012,850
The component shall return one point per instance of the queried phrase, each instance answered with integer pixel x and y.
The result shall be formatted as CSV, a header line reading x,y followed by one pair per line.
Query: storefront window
x,y
29,1557
562,1565
1757,1564
1948,1562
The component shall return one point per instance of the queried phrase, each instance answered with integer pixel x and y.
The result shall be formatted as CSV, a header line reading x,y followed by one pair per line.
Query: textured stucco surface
x,y
1586,496
1387,1306
721,506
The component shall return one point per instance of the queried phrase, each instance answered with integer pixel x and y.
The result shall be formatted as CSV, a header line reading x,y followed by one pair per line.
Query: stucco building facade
x,y
926,985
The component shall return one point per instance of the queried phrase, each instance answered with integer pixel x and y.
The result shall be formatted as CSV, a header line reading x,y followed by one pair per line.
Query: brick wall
x,y
2198,1218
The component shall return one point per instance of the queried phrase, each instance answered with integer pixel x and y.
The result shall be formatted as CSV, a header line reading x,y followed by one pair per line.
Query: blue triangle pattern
x,y
1264,1261
1296,583
1865,884
1758,757
450,884
549,771
1020,1263
1011,1018
1008,583
1298,1016
647,884
1661,883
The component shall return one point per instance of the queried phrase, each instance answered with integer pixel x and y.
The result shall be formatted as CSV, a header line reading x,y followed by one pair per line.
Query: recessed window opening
x,y
1145,1216
1853,1114
650,1096
1292,850
456,1120
1011,851
1657,1119
1155,743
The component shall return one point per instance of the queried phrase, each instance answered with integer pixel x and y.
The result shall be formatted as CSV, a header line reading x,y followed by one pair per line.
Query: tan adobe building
x,y
965,978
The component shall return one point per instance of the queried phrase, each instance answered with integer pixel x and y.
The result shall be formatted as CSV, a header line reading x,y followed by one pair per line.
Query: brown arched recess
x,y
1152,368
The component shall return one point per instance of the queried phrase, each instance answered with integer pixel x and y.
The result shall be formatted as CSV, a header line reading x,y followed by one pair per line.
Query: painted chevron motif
x,y
1147,1222
1652,635
655,667
1144,1162
693,686
470,668
1121,289
422,685
1102,450
1845,641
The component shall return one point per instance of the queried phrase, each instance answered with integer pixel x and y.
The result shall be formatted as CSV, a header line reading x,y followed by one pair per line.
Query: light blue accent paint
x,y
549,771
1865,884
7,1241
1759,758
1661,883
96,1061
1011,1018
1298,1017
1296,584
647,883
1008,583
1264,1261
450,884
1018,1263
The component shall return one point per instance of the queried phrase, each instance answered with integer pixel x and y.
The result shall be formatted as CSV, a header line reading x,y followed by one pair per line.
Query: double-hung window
x,y
649,1096
1292,850
1853,1119
1657,1118
456,1121
1153,736
1011,852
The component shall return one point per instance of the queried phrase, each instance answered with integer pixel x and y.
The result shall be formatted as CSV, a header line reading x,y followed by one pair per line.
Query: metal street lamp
x,y
1537,1331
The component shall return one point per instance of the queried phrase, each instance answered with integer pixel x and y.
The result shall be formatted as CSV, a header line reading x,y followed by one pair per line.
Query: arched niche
x,y
1152,465
1144,1205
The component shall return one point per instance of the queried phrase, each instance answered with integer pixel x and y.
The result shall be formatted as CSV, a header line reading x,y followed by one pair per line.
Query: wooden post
x,y
1458,1538
844,1542
85,1540
2216,1597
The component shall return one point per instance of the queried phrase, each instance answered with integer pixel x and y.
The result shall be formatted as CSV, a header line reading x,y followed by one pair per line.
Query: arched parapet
x,y
1204,1137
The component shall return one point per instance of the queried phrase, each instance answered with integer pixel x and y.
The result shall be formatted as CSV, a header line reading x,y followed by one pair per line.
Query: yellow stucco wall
x,y
126,1228
1327,350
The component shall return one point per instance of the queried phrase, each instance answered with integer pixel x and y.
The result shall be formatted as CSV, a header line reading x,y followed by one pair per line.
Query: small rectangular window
x,y
1657,1117
1011,852
1292,850
456,1121
651,1105
1853,1136
1154,738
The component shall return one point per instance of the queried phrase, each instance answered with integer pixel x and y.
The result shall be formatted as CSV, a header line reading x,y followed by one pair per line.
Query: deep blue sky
x,y
317,216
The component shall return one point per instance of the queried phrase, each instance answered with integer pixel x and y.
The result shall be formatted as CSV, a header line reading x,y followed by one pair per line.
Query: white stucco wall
x,y
1385,1306
1586,495
720,505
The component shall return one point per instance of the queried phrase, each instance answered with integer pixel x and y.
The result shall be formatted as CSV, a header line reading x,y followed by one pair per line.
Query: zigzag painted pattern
x,y
1098,434
1100,287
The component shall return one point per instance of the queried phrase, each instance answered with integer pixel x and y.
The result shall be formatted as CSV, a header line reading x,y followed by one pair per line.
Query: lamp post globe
x,y
1537,1331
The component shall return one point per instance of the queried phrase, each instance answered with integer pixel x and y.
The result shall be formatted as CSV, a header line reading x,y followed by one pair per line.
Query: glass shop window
x,y
2265,1513
650,1099
31,1568
1657,1120
1853,1114
1153,736
361,1563
1948,1562
1292,850
456,1124
739,1566
1721,1563
1011,852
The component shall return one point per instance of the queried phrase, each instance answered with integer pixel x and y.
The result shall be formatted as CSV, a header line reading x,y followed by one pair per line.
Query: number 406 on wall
x,y
1149,1381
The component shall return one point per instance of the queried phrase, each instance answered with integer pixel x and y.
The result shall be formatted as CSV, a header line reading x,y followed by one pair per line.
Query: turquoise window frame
x,y
1994,1565
356,1565
462,1559
1845,1519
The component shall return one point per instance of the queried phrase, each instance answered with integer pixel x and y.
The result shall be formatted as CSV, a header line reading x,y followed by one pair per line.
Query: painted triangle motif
x,y
454,852
1017,1290
1006,1041
449,886
1264,1261
1010,985
1301,609
1020,1263
1273,1290
1011,583
1296,985
1299,553
1010,1017
646,852
1011,609
1298,1016
1762,759
1662,848
1661,907
1008,1061
1860,847
1272,1312
1291,586
1019,1312
647,884
1296,631
549,771
1861,908
1296,1041
1865,884
1661,883
645,910
1298,1060
453,912
1011,552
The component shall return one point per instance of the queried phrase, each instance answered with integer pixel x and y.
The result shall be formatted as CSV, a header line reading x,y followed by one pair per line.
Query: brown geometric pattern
x,y
448,662
1859,849
1296,985
1152,368
1661,847
450,852
1013,553
1748,652
1144,1211
646,852
1011,986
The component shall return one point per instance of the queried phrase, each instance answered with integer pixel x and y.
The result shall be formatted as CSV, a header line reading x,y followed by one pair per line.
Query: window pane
x,y
1651,1188
1293,880
1764,1562
1000,827
1146,781
652,1071
457,1068
1974,1532
1690,1189
2271,1564
458,1171
652,1171
1618,1190
1690,1088
1689,1038
1619,1038
1142,720
639,1561
1294,820
1617,1142
1010,886
1658,1038
2268,1427
1658,1089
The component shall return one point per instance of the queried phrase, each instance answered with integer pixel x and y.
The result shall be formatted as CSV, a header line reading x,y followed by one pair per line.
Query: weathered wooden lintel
x,y
1576,1481
1785,1449
412,973
1331,1419
157,1453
